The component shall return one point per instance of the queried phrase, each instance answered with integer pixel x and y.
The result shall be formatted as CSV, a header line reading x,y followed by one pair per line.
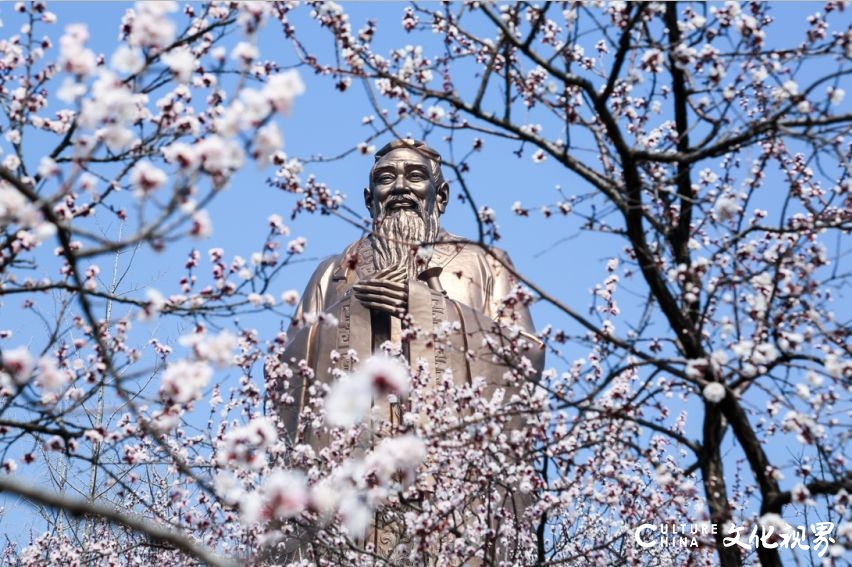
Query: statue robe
x,y
474,284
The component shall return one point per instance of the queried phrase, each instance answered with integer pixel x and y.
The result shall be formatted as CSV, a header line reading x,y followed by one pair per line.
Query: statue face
x,y
402,181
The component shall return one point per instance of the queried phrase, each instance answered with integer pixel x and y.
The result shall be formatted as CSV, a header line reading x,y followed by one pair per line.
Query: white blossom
x,y
727,208
267,141
282,88
284,494
184,381
127,59
244,52
348,402
247,446
50,376
181,62
184,155
145,178
385,375
836,95
217,349
74,57
435,113
356,514
150,25
202,226
714,392
17,366
290,297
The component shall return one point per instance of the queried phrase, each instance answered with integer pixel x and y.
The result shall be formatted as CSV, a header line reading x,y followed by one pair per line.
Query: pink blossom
x,y
127,59
145,178
16,366
290,297
202,226
282,88
184,381
246,446
181,62
284,494
74,57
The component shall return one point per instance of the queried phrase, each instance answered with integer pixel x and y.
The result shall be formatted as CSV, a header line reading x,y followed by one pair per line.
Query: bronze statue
x,y
404,282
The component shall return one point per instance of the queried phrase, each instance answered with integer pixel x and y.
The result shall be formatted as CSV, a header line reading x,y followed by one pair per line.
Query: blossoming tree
x,y
717,152
706,381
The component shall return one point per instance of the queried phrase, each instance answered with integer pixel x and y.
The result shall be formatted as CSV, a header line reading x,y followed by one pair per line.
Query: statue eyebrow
x,y
382,169
415,167
407,166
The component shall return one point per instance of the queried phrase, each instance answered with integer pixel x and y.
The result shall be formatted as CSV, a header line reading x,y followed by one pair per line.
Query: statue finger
x,y
368,296
383,307
380,286
382,299
380,291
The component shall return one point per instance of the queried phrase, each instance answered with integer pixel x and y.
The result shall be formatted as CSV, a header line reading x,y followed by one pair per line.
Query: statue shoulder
x,y
327,267
319,287
463,248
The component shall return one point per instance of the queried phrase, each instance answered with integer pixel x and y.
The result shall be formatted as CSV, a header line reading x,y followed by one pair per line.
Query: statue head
x,y
406,197
407,175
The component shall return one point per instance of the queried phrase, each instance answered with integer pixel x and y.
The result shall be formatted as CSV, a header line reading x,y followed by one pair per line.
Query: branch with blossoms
x,y
154,531
718,157
85,404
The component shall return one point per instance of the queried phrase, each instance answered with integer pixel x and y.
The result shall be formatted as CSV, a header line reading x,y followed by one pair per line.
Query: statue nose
x,y
398,184
399,187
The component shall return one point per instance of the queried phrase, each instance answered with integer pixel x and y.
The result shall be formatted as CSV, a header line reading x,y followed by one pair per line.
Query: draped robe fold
x,y
474,283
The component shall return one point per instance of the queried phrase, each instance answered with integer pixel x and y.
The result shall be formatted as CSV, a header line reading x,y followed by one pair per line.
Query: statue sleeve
x,y
313,298
503,281
301,346
495,332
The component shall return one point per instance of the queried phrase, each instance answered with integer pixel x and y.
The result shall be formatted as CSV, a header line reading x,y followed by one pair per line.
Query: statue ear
x,y
442,197
368,199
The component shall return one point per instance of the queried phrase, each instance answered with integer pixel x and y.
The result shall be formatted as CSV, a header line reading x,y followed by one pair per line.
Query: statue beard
x,y
398,233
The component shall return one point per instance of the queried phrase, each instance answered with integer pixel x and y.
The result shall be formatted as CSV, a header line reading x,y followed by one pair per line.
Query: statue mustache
x,y
402,202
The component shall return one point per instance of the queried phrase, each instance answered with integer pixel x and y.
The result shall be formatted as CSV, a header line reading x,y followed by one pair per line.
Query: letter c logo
x,y
639,532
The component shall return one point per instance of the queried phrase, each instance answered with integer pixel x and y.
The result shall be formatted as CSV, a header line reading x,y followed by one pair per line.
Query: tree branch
x,y
113,515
